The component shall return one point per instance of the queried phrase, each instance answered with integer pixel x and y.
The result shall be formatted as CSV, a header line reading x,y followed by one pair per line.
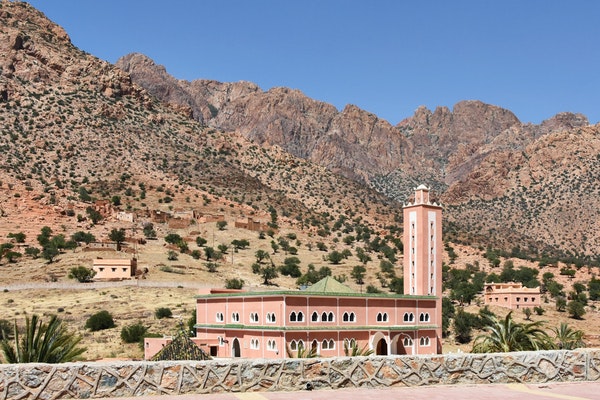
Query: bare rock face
x,y
155,79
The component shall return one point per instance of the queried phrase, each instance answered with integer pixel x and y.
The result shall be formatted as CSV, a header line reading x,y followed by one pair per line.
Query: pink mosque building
x,y
329,315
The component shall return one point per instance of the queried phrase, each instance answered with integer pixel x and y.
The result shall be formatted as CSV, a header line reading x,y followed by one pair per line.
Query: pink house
x,y
328,315
114,269
511,295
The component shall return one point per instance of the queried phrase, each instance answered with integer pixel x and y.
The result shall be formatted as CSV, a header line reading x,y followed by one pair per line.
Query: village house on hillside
x,y
250,224
329,316
511,295
114,269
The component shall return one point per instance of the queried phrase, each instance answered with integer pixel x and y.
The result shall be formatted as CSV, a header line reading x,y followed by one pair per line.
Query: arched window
x,y
315,345
349,317
235,317
349,343
407,341
219,317
271,318
300,316
324,317
254,344
424,317
330,317
315,317
271,345
382,317
254,318
293,317
331,344
293,345
424,341
409,317
328,344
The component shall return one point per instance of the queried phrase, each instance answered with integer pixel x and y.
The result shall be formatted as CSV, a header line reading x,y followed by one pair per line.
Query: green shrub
x,y
133,333
100,321
82,274
234,283
163,312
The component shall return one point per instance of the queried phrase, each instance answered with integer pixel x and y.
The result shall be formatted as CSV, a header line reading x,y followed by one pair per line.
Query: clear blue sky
x,y
533,57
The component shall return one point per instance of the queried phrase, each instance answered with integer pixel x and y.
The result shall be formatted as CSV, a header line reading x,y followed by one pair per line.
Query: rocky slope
x,y
72,122
458,150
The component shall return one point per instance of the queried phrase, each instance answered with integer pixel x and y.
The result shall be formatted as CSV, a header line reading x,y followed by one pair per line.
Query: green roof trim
x,y
407,328
275,293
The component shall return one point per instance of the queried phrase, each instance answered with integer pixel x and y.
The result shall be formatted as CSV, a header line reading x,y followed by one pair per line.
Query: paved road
x,y
565,391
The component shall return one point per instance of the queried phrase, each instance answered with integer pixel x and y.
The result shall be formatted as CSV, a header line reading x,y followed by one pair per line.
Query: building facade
x,y
114,269
329,316
511,295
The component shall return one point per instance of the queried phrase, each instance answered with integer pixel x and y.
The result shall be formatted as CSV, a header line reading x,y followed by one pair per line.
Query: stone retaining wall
x,y
116,379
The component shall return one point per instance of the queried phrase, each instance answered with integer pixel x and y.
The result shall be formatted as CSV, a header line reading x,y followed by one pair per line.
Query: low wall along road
x,y
138,378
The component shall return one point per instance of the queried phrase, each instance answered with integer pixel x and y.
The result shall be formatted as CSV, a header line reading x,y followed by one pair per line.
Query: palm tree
x,y
567,338
351,349
302,352
507,335
50,343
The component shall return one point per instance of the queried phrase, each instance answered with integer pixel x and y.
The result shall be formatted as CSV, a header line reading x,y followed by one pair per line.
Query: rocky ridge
x,y
455,150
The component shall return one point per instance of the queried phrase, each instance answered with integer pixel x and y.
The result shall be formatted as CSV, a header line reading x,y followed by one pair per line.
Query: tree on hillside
x,y
261,255
358,274
268,273
335,257
240,244
149,231
50,252
173,238
93,215
45,235
576,309
19,237
200,241
221,225
118,236
210,253
82,274
463,326
84,237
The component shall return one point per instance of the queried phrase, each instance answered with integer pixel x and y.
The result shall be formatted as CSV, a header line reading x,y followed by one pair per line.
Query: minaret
x,y
422,245
423,249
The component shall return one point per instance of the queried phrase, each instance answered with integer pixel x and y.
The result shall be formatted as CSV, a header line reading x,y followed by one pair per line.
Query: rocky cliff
x,y
444,145
469,154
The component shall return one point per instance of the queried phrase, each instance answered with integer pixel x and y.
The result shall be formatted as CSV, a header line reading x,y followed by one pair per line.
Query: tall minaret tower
x,y
423,249
422,246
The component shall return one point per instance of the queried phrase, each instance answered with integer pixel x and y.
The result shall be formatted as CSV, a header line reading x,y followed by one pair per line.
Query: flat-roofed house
x,y
511,295
110,269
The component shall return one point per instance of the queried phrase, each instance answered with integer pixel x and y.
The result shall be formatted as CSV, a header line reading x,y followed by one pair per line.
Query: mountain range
x,y
72,121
